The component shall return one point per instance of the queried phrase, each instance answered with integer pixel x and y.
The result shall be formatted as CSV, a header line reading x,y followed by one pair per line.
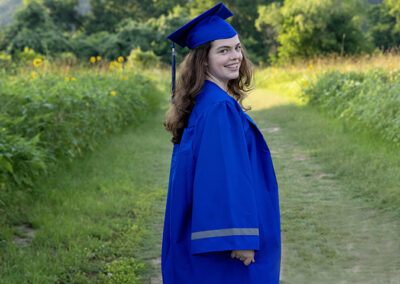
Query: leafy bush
x,y
46,118
365,100
144,59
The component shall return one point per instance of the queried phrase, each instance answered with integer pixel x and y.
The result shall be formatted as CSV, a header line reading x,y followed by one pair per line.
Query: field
x,y
84,166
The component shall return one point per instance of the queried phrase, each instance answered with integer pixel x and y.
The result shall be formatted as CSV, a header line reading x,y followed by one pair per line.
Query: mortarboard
x,y
209,26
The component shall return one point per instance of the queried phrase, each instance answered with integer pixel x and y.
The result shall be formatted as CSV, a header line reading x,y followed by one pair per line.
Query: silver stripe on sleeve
x,y
225,233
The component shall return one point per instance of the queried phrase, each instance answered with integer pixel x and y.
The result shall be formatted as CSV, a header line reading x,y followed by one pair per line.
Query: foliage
x,y
384,26
106,16
5,59
47,118
304,32
34,28
367,101
123,270
145,59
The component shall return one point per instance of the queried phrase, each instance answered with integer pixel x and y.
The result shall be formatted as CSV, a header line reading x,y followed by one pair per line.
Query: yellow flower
x,y
66,79
390,64
92,59
98,58
34,75
73,79
113,93
121,59
311,67
391,79
111,67
37,62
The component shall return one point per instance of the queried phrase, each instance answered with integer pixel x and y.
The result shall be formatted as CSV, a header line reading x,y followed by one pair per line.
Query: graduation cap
x,y
209,26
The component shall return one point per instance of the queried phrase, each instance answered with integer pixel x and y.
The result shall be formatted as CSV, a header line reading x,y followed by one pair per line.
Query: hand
x,y
247,256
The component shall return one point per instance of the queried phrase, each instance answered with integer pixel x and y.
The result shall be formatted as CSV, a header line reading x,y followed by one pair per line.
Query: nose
x,y
236,54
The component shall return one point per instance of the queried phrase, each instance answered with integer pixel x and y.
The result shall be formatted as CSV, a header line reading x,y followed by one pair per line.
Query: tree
x,y
34,28
384,26
64,13
314,27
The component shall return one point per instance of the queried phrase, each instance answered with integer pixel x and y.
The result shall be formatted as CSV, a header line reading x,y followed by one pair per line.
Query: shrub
x,y
364,100
48,119
144,59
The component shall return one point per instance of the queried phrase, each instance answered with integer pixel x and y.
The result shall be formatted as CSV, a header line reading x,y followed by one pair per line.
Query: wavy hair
x,y
192,75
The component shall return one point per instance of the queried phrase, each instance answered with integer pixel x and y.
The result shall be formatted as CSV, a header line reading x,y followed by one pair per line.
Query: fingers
x,y
246,259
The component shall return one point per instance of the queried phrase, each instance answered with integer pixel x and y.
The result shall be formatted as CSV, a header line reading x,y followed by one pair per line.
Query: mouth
x,y
233,66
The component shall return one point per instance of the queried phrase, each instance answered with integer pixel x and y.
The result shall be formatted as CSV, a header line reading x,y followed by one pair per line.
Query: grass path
x,y
328,236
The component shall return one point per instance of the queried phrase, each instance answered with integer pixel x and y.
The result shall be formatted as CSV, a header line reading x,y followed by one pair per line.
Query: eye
x,y
223,51
238,47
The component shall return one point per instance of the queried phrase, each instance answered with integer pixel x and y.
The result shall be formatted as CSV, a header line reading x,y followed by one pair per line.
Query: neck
x,y
221,84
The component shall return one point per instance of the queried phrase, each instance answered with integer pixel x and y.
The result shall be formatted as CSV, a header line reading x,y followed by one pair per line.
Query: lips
x,y
233,66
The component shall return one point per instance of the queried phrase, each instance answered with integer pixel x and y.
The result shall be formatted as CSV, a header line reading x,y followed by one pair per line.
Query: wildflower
x,y
92,59
310,67
305,83
37,62
73,79
34,75
121,59
390,64
111,67
66,79
117,64
113,93
392,79
275,70
98,58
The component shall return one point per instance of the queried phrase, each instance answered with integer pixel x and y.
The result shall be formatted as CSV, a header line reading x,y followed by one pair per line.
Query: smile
x,y
233,66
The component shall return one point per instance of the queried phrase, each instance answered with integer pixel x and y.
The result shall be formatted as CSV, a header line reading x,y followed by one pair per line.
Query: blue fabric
x,y
222,196
209,26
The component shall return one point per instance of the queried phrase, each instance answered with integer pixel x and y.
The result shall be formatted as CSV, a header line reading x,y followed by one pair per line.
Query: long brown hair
x,y
192,74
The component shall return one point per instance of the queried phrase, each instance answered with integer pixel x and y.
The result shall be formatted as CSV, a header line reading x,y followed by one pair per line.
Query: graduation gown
x,y
222,196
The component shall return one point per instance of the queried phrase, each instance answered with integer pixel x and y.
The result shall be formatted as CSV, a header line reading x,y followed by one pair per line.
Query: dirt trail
x,y
327,236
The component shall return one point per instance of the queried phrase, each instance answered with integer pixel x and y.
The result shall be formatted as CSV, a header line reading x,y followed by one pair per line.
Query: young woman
x,y
222,221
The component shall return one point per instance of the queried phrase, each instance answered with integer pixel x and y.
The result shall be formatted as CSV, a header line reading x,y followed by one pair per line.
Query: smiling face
x,y
224,59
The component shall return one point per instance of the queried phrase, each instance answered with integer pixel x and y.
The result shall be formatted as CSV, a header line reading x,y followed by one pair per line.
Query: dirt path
x,y
327,236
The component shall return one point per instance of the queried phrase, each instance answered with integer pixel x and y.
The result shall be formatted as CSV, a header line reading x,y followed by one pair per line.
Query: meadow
x,y
85,159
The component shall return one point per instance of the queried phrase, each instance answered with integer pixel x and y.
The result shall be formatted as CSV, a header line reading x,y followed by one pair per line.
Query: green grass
x,y
93,217
339,195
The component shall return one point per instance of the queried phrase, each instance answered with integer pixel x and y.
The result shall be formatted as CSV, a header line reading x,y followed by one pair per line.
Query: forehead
x,y
225,42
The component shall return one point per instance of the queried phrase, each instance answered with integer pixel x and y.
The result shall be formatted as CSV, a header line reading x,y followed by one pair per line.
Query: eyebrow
x,y
227,46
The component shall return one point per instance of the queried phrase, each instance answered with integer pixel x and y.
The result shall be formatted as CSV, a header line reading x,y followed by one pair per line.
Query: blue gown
x,y
222,196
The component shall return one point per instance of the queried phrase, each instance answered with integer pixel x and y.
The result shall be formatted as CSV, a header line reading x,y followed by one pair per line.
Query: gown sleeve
x,y
224,213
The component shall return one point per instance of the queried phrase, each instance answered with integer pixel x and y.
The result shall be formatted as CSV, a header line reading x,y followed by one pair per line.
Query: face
x,y
224,59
